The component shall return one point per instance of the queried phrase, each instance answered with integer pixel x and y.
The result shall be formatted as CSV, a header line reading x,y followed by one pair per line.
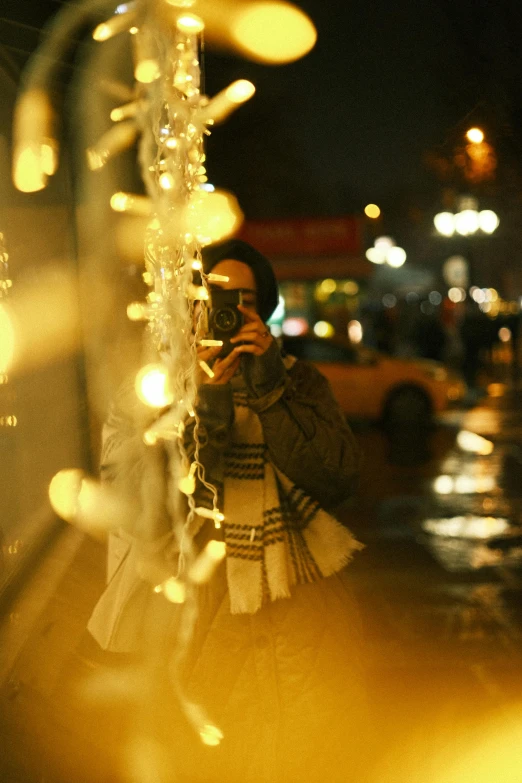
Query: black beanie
x,y
266,284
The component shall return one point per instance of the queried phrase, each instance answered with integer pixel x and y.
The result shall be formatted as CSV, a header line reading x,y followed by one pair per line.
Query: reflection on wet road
x,y
440,582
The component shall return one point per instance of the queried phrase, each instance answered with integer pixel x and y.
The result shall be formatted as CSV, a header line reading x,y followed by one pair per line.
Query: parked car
x,y
369,384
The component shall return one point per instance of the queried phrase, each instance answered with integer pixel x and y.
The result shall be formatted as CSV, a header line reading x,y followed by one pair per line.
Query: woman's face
x,y
240,276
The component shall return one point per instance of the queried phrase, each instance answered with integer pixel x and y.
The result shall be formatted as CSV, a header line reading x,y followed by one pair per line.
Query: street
x,y
439,587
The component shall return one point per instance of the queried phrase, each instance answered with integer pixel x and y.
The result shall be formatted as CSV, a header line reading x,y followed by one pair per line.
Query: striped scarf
x,y
276,535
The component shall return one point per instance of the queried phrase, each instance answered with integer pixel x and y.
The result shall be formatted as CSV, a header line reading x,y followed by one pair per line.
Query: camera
x,y
224,319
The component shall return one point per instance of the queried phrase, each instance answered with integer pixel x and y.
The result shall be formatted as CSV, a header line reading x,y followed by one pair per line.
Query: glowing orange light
x,y
372,211
273,32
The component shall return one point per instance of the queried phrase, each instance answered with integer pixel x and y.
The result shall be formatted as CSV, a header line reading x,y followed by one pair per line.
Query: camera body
x,y
224,319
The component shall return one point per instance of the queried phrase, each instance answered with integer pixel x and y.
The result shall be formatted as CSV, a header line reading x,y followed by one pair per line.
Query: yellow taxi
x,y
372,385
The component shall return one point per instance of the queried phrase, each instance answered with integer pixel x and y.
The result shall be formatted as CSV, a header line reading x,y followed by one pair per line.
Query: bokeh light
x,y
7,340
475,135
324,329
294,327
355,331
476,444
64,493
372,211
445,223
152,386
273,32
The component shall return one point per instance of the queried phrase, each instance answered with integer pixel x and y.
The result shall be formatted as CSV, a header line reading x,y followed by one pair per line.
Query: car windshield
x,y
319,350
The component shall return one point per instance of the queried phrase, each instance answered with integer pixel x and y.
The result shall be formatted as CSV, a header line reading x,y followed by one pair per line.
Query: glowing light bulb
x,y
120,201
129,202
102,32
488,221
147,71
211,217
375,255
197,265
207,562
470,441
64,493
174,590
372,211
28,171
166,181
467,222
443,485
396,256
211,343
211,735
475,135
136,311
324,329
240,91
273,32
125,111
190,24
7,340
355,331
152,386
206,369
445,223
187,484
171,143
217,278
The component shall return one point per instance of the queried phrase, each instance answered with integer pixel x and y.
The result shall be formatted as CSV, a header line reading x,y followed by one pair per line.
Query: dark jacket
x,y
306,433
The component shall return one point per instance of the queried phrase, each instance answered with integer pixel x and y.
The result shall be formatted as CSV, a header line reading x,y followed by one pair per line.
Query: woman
x,y
275,655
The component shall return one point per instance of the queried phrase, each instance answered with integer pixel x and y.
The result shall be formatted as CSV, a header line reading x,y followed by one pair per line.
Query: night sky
x,y
352,122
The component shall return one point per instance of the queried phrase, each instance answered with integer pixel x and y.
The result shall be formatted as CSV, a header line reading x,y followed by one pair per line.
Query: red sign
x,y
304,236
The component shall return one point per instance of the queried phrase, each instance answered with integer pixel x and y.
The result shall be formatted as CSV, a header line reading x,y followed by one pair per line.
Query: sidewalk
x,y
443,651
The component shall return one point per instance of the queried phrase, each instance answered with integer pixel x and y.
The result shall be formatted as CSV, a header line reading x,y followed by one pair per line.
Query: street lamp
x,y
475,136
385,251
467,221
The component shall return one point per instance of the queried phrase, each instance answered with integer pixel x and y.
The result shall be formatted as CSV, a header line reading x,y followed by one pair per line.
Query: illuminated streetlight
x,y
475,135
372,211
385,251
467,221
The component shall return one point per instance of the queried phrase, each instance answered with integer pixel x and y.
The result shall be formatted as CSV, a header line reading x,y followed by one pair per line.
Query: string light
x,y
119,23
206,369
125,112
118,138
129,202
190,24
64,493
207,562
226,101
152,386
187,484
216,516
171,118
273,31
213,278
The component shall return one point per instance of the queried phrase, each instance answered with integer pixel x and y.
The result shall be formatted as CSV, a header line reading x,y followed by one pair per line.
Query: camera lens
x,y
226,319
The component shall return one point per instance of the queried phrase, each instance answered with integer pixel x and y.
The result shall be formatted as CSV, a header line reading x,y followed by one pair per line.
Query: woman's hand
x,y
254,334
223,369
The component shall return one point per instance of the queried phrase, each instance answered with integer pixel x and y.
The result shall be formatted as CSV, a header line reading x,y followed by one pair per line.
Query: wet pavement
x,y
439,586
